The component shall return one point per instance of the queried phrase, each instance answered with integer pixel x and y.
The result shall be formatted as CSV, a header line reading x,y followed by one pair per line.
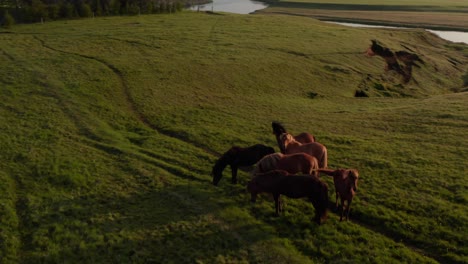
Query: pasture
x,y
110,128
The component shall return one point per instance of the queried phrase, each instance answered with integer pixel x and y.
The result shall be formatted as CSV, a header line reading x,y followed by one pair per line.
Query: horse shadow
x,y
179,223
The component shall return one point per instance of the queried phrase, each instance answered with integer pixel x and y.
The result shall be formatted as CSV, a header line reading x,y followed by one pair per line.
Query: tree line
x,y
32,11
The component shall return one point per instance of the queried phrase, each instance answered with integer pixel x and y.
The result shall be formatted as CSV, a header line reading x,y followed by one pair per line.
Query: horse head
x,y
278,128
217,171
217,174
353,178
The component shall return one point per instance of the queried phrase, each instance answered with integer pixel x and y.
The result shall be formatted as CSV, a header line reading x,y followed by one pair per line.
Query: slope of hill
x,y
110,128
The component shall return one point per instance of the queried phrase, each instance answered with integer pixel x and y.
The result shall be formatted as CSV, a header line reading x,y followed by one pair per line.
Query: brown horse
x,y
280,182
292,163
238,157
279,129
391,58
314,149
387,55
345,187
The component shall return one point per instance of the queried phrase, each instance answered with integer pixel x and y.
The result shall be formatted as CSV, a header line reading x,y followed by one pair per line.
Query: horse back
x,y
251,155
305,138
298,162
299,186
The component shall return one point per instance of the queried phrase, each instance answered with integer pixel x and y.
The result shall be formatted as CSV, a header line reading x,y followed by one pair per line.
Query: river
x,y
454,36
248,6
231,6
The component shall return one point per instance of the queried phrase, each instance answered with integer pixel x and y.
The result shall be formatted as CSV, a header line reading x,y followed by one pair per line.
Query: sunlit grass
x,y
110,128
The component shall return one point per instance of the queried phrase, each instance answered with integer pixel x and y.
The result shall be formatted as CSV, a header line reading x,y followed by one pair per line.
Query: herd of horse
x,y
293,172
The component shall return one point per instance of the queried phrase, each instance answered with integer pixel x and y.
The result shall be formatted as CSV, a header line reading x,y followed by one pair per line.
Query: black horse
x,y
239,157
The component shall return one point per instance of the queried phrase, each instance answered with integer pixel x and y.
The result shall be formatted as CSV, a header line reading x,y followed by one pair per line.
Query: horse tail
x,y
324,159
313,166
327,171
323,201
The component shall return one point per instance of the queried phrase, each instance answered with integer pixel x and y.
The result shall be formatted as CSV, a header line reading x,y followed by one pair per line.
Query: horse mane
x,y
353,173
288,137
278,128
267,163
380,50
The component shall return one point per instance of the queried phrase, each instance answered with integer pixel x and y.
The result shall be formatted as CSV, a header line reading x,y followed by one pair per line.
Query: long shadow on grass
x,y
383,227
176,224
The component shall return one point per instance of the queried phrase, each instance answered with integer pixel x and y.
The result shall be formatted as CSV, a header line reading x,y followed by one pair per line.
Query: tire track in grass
x,y
131,104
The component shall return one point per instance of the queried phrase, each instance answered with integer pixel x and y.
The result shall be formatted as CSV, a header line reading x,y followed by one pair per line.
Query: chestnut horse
x,y
238,157
279,129
314,149
292,163
279,182
345,187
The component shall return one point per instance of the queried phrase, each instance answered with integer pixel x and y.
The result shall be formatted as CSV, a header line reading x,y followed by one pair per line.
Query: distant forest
x,y
31,11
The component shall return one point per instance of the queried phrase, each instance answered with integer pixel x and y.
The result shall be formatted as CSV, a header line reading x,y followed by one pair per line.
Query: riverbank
x,y
442,19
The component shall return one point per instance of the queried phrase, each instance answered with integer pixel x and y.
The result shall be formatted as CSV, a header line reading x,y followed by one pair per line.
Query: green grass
x,y
110,127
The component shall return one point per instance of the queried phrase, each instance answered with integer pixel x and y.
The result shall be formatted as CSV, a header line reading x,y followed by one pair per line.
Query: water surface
x,y
454,36
231,6
249,6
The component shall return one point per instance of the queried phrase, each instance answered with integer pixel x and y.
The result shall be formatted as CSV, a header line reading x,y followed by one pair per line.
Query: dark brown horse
x,y
280,182
345,187
239,157
279,129
292,164
392,58
314,149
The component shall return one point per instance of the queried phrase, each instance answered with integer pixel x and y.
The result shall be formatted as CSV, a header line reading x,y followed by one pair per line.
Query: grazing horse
x,y
293,163
314,149
279,182
279,129
238,157
345,187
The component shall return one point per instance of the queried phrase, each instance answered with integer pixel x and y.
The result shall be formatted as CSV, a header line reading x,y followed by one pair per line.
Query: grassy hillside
x,y
110,127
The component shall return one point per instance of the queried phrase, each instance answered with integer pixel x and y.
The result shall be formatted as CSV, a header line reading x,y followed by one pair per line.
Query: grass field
x,y
443,15
110,128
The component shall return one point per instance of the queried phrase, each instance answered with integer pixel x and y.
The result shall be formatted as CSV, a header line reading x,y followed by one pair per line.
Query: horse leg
x,y
336,200
348,208
342,209
277,203
234,174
